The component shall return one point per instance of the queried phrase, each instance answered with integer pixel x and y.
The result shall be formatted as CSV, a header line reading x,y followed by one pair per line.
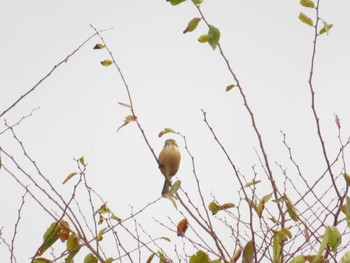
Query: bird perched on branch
x,y
169,161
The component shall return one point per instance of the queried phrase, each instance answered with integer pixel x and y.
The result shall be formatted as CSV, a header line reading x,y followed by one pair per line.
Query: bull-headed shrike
x,y
169,161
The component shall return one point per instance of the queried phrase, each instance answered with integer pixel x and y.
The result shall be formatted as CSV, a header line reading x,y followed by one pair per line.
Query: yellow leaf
x,y
69,177
305,19
106,62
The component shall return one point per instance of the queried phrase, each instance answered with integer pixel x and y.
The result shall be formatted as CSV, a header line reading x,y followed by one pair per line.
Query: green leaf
x,y
229,87
192,25
90,258
346,258
248,252
254,182
298,259
203,38
100,234
346,210
150,258
334,238
305,19
99,46
262,203
292,211
72,242
200,257
331,238
41,260
197,2
109,260
175,2
165,131
307,3
50,237
326,27
213,37
106,62
82,160
214,208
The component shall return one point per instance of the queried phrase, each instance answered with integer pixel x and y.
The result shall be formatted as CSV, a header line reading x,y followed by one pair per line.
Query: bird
x,y
169,162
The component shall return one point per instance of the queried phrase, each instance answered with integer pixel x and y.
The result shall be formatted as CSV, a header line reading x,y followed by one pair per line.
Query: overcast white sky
x,y
171,77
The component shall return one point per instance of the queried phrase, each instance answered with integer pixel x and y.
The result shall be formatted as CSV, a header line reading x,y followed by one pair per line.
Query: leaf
x,y
331,238
214,208
114,217
109,260
99,46
213,37
197,2
72,242
175,2
325,29
305,19
346,210
100,234
251,203
82,160
291,209
90,258
41,260
150,258
106,62
346,258
127,120
73,247
236,255
248,252
50,237
200,257
334,238
125,105
261,205
69,177
229,87
165,131
298,259
347,178
254,182
175,186
192,25
337,120
203,38
182,227
307,3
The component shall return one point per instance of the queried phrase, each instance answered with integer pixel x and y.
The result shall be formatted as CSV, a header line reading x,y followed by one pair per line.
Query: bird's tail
x,y
167,184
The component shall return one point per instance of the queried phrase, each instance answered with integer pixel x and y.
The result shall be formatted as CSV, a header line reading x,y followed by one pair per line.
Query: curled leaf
x,y
124,105
69,177
99,46
305,19
254,182
307,3
182,227
229,87
127,120
326,27
192,25
165,131
203,38
106,62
